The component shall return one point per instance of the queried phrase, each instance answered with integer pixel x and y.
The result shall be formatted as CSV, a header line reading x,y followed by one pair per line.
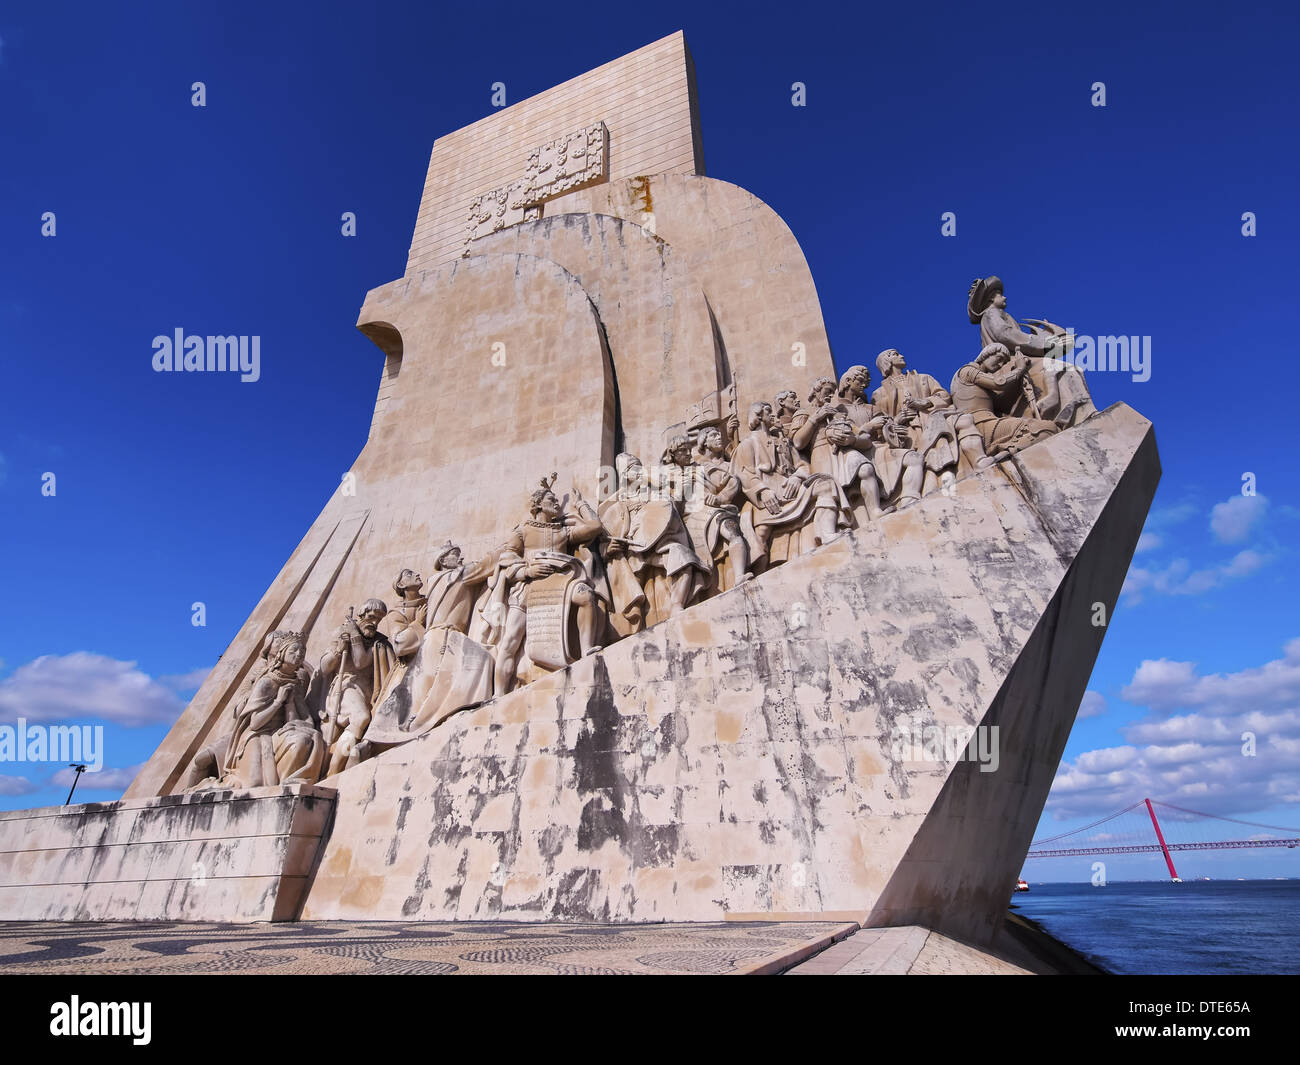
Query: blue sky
x,y
1123,219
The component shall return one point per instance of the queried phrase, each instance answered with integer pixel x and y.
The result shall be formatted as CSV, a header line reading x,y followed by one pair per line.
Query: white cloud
x,y
1198,758
105,780
1166,685
17,786
82,685
1178,578
1093,704
1231,521
1148,541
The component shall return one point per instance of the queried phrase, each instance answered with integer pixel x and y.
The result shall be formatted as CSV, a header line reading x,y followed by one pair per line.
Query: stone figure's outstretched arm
x,y
1005,330
582,521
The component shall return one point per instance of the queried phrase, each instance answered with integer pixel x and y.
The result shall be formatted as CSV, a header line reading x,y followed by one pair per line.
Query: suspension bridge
x,y
1137,830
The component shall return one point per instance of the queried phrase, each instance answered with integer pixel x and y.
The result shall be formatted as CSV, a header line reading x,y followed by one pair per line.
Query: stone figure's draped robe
x,y
658,541
369,684
704,523
886,459
765,462
404,626
452,592
449,671
987,406
931,432
274,740
839,464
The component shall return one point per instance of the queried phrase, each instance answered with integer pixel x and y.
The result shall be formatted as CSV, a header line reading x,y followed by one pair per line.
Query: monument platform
x,y
380,948
246,855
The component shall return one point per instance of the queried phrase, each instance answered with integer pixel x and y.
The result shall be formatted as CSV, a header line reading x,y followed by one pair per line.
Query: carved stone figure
x,y
940,433
784,493
653,569
540,591
1062,393
275,738
449,671
206,767
897,464
988,389
356,668
454,587
824,434
404,625
710,493
787,406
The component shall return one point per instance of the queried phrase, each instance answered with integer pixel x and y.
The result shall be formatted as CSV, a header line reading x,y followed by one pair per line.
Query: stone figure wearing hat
x,y
1059,390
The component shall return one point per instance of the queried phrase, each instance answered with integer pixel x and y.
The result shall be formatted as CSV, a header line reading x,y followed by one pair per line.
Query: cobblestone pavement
x,y
384,948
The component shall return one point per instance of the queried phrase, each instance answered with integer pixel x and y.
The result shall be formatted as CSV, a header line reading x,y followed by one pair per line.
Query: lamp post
x,y
80,769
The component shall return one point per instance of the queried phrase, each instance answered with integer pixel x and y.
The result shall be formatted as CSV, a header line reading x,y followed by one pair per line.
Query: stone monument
x,y
712,630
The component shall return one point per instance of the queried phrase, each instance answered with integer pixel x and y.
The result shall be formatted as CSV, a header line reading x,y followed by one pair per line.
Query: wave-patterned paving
x,y
385,948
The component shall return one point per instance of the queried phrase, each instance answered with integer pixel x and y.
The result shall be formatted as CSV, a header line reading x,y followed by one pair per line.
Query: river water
x,y
1200,927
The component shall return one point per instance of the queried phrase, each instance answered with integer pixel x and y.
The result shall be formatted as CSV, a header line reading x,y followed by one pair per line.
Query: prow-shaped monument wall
x,y
631,609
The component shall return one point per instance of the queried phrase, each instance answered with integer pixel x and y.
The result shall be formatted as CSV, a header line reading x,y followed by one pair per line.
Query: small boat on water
x,y
1021,885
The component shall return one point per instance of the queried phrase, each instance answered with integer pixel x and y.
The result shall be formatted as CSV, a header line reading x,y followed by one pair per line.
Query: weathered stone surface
x,y
646,100
556,342
742,756
760,289
215,855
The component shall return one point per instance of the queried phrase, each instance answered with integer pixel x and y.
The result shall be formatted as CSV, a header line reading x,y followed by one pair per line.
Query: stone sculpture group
x,y
717,509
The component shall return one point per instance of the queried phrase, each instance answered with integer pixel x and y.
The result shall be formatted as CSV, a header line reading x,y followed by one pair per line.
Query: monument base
x,y
801,744
205,856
